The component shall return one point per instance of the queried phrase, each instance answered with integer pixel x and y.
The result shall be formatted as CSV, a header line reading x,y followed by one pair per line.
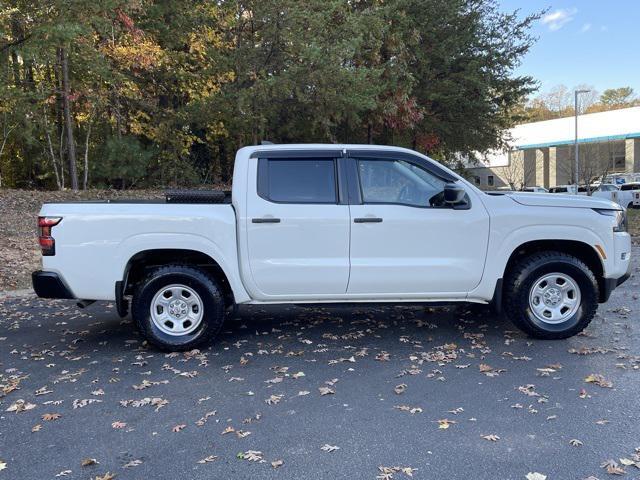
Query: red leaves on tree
x,y
128,24
405,112
427,142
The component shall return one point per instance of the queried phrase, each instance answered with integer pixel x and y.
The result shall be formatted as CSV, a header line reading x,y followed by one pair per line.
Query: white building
x,y
542,153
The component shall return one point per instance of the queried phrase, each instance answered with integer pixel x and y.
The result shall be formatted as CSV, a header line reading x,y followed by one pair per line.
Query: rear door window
x,y
297,181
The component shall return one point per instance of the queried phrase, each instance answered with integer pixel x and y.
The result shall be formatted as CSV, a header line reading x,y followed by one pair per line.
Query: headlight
x,y
619,215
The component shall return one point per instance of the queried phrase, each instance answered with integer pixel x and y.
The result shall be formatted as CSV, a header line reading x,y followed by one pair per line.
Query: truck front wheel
x,y
551,295
178,307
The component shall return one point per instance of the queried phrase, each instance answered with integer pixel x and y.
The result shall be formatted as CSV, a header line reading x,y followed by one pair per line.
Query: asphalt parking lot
x,y
386,392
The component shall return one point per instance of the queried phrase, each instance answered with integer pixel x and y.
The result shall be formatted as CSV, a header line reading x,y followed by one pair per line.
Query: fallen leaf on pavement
x,y
273,399
598,380
613,468
444,423
329,448
326,391
251,455
407,408
209,459
49,417
106,476
399,389
536,476
20,406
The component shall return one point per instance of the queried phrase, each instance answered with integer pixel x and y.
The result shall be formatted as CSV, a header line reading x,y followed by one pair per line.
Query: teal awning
x,y
560,143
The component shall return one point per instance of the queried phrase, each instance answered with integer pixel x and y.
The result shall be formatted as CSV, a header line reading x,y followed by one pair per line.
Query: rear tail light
x,y
47,242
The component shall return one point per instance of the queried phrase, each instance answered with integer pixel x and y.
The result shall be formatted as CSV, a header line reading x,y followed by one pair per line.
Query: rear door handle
x,y
265,220
367,220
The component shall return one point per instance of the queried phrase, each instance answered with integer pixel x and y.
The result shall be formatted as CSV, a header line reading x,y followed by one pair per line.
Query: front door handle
x,y
265,220
367,220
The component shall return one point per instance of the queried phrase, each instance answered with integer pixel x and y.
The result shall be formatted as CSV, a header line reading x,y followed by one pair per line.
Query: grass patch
x,y
634,222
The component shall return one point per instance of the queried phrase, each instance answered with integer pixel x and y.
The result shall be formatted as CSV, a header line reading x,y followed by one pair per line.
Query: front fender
x,y
503,244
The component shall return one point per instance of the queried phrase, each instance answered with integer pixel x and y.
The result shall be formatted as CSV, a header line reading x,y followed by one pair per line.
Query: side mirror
x,y
454,195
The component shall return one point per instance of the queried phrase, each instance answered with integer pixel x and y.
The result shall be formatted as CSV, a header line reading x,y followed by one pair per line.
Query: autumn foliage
x,y
153,93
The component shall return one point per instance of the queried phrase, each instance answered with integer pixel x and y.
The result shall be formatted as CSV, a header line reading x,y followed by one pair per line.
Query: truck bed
x,y
171,196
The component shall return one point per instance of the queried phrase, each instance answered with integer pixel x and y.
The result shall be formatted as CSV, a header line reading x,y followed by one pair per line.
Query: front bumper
x,y
50,285
610,284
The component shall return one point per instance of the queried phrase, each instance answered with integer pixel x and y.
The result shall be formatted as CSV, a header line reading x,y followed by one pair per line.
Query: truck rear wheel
x,y
551,295
178,307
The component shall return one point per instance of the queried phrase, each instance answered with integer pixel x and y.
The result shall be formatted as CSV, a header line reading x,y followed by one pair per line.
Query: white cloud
x,y
604,28
559,18
586,27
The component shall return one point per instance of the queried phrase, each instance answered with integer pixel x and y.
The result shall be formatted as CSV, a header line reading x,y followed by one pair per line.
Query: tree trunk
x,y
59,182
4,142
61,157
86,157
71,145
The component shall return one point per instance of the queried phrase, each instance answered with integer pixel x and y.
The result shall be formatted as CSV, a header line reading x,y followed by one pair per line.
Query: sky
x,y
592,42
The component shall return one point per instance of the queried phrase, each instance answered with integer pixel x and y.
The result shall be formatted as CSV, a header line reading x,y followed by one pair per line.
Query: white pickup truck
x,y
335,223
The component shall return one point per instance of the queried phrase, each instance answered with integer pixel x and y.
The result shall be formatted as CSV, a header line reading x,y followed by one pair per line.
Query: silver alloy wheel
x,y
176,310
554,298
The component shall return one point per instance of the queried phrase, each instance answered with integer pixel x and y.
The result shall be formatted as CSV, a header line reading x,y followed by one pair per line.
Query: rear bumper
x,y
50,285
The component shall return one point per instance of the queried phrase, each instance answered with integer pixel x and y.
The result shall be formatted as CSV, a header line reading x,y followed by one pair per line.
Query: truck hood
x,y
560,200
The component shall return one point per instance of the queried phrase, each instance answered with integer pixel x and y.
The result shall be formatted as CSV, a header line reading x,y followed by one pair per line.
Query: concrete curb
x,y
16,293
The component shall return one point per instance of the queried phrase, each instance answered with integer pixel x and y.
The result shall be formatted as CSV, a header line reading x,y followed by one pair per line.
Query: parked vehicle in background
x,y
630,195
608,191
571,189
335,223
534,189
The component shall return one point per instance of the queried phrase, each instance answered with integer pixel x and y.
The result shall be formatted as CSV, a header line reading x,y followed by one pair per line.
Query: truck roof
x,y
382,151
328,146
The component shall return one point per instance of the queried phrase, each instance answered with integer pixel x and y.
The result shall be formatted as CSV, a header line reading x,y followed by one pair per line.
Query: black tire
x,y
521,278
207,288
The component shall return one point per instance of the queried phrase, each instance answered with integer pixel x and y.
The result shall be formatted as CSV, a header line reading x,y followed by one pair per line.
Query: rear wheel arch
x,y
142,262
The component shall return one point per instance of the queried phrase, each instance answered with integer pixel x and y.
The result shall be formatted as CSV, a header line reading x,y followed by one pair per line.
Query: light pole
x,y
575,143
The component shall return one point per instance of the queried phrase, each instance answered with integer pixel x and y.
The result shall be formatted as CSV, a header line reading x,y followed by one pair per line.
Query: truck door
x,y
404,240
297,229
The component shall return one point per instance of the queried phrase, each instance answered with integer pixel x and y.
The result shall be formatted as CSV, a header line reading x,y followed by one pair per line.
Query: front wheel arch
x,y
580,250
